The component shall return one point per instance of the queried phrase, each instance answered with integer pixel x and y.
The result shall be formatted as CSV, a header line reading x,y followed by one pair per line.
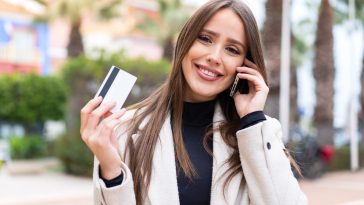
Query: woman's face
x,y
210,65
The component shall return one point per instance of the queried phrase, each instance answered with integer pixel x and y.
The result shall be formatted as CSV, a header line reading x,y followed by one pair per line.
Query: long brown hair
x,y
168,99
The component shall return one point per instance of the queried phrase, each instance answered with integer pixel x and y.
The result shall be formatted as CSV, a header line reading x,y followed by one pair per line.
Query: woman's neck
x,y
198,114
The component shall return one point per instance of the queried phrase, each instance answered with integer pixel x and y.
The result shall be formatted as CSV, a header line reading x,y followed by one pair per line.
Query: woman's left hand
x,y
258,90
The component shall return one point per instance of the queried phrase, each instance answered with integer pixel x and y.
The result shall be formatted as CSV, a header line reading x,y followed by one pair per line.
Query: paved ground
x,y
45,189
339,188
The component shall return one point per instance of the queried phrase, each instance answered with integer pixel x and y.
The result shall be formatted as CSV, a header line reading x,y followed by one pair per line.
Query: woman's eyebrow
x,y
231,40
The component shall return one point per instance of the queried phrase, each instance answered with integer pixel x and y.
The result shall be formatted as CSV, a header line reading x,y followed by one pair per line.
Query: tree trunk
x,y
75,44
293,117
79,96
168,48
27,128
361,115
293,93
271,36
324,73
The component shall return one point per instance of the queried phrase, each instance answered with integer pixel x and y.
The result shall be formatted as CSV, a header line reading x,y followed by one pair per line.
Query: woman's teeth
x,y
209,73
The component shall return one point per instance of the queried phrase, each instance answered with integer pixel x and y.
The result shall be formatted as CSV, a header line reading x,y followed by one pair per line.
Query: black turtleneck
x,y
196,120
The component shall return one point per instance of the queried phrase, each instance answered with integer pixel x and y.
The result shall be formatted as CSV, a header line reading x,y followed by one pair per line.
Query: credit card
x,y
116,87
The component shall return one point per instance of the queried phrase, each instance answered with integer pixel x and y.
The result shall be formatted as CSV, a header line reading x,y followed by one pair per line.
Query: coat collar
x,y
163,189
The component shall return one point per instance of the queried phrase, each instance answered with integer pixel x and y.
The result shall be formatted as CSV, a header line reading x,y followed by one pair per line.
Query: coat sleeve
x,y
266,168
122,194
117,195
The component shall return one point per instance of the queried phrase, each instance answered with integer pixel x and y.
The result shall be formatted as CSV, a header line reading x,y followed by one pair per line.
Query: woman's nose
x,y
214,57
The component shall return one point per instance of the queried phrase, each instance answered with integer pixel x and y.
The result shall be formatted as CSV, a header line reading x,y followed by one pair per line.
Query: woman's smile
x,y
207,73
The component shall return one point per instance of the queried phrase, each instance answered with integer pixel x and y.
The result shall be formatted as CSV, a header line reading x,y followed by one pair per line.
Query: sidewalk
x,y
44,189
339,188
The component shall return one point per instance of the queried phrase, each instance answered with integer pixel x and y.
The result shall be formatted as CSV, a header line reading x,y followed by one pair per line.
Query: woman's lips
x,y
207,74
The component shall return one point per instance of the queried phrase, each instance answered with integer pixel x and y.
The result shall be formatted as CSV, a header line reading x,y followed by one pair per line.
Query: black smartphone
x,y
240,85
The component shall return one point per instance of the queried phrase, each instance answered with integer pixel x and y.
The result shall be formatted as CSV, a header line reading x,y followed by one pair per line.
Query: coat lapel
x,y
221,153
163,189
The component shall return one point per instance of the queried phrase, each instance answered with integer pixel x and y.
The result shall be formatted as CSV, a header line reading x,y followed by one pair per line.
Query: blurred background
x,y
54,55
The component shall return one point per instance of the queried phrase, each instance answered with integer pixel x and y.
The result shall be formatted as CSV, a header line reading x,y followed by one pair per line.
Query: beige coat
x,y
267,171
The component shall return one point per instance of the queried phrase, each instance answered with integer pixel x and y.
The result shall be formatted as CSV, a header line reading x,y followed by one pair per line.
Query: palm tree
x,y
342,16
70,10
324,74
359,5
73,11
172,15
293,95
271,37
272,47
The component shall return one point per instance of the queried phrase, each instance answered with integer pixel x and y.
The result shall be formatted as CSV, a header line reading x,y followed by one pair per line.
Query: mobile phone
x,y
240,85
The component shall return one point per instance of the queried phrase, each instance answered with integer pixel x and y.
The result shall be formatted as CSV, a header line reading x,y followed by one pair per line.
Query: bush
x,y
150,74
84,75
76,158
28,147
30,99
341,158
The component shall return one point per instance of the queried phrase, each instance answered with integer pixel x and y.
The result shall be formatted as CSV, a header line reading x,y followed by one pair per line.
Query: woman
x,y
190,142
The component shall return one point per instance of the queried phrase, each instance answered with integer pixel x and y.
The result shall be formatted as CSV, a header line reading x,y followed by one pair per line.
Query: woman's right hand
x,y
98,134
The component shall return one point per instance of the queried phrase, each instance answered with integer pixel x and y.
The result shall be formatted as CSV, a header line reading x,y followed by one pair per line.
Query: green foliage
x,y
73,10
172,16
303,36
300,50
29,99
28,147
82,68
149,73
74,154
341,158
8,87
109,10
84,75
341,9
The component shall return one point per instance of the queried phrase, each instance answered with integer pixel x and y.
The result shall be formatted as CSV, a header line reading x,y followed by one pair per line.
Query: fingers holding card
x,y
98,119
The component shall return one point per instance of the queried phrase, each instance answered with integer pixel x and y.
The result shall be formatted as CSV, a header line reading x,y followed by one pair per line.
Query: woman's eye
x,y
204,38
233,50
